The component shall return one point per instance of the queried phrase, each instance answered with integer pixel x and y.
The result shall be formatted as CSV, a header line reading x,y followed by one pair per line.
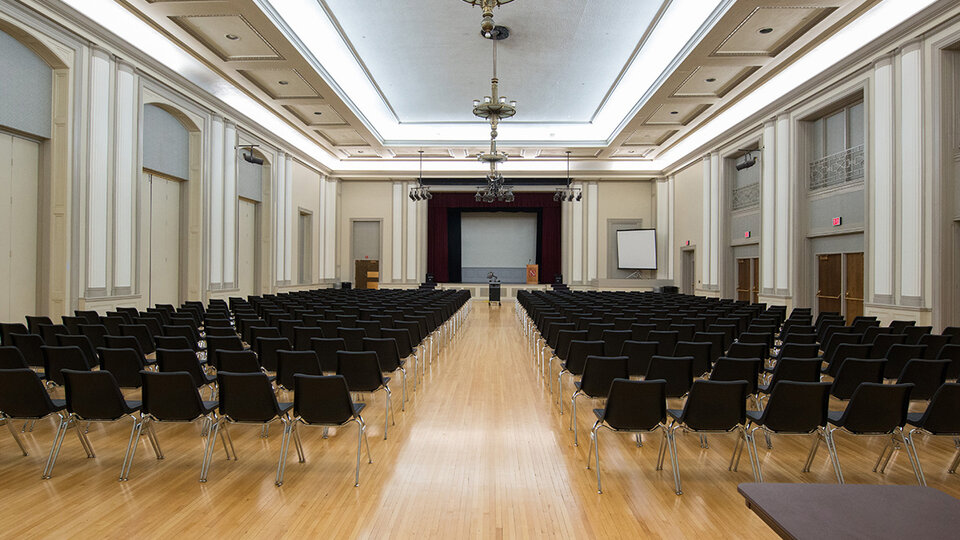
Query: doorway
x,y
305,247
748,279
840,284
688,277
164,250
247,242
365,246
19,238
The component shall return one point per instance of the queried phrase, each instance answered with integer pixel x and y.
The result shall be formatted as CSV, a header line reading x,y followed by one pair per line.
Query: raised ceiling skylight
x,y
411,69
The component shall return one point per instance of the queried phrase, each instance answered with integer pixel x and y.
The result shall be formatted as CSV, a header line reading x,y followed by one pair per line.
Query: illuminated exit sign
x,y
837,221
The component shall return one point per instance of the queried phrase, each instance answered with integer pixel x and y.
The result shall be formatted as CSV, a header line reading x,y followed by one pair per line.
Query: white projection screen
x,y
499,242
637,249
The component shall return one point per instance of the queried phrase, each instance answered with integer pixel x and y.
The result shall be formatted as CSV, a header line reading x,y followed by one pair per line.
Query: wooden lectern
x,y
533,274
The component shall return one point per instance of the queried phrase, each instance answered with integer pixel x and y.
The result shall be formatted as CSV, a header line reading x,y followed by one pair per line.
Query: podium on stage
x,y
533,274
493,294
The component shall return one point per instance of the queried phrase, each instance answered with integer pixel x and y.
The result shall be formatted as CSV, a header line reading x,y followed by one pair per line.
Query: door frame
x,y
353,255
181,247
257,248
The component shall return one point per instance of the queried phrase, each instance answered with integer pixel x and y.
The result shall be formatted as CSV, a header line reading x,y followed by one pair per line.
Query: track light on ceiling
x,y
748,160
420,192
248,155
568,193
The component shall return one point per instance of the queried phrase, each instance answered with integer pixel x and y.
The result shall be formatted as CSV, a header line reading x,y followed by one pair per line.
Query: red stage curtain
x,y
437,237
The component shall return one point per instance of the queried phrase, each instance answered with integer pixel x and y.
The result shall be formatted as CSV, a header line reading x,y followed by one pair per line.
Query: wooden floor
x,y
480,452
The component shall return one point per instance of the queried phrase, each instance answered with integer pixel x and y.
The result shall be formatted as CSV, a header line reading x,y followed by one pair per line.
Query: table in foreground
x,y
822,511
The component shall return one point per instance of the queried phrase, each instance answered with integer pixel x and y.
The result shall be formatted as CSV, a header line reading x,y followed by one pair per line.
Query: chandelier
x,y
493,108
568,193
420,192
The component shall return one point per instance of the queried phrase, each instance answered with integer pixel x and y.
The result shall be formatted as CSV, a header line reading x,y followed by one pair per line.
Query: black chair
x,y
170,360
716,343
793,369
221,343
371,327
898,356
291,363
638,355
352,337
633,407
111,324
880,346
577,355
914,333
953,332
49,332
667,340
677,371
266,349
685,332
82,342
325,401
841,354
640,331
926,376
91,316
952,353
143,335
748,350
595,331
739,369
388,356
56,359
173,397
12,358
854,372
613,341
94,396
933,343
362,372
326,350
23,397
800,339
185,331
220,331
173,342
795,408
598,374
699,351
6,329
257,332
766,338
127,342
941,419
874,410
30,346
564,337
35,322
125,364
241,362
713,407
303,335
248,398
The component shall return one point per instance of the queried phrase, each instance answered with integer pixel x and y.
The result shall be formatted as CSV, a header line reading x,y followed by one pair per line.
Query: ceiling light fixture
x,y
283,83
748,160
765,30
231,37
493,108
711,79
568,193
420,192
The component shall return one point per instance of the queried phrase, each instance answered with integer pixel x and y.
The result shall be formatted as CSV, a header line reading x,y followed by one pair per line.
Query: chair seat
x,y
675,413
599,413
284,407
764,388
209,406
754,416
834,416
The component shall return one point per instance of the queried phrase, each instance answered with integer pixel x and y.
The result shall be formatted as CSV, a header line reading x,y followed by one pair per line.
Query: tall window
x,y
836,148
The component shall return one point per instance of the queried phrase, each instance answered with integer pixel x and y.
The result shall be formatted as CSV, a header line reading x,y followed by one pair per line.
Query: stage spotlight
x,y
556,196
579,196
748,161
427,195
570,197
411,196
478,196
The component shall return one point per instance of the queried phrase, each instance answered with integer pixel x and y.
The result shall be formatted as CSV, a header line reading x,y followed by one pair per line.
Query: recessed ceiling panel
x,y
713,81
342,136
429,61
770,29
316,115
280,83
230,37
650,136
672,113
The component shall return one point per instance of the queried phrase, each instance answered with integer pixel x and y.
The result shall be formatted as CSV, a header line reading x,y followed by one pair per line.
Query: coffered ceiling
x,y
606,79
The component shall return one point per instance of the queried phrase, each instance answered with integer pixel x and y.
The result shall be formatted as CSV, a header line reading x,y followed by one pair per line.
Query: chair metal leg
x,y
573,417
84,441
832,448
55,450
132,444
953,465
914,458
152,437
225,434
596,439
403,401
16,437
813,451
883,453
212,430
756,455
356,476
672,441
386,418
737,452
284,443
748,442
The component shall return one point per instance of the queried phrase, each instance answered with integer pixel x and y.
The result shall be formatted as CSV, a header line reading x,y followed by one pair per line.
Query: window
x,y
836,148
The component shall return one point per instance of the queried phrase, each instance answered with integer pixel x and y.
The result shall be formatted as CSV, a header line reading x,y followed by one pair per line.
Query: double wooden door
x,y
840,284
748,279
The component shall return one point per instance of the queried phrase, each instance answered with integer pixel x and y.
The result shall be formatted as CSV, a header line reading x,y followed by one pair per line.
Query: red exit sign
x,y
746,234
837,221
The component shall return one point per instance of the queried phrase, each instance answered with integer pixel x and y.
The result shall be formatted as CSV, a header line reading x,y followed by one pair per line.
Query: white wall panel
x,y
705,232
413,217
577,237
291,215
783,217
330,230
280,216
230,204
126,175
593,217
768,214
715,219
396,255
215,201
911,170
98,181
882,167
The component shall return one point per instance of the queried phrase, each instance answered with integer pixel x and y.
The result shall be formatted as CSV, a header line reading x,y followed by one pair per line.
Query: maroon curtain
x,y
438,240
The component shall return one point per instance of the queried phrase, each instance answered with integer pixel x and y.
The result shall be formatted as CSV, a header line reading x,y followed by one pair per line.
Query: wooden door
x,y
689,283
853,295
755,272
743,279
363,266
829,282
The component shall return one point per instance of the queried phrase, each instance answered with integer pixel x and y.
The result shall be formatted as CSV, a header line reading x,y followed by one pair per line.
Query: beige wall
x,y
366,200
621,200
306,196
688,216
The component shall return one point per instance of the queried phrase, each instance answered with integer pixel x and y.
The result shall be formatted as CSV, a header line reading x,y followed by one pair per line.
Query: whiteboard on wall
x,y
637,249
498,239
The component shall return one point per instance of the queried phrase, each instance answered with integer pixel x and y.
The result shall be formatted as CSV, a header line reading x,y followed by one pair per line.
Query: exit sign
x,y
837,221
688,242
746,234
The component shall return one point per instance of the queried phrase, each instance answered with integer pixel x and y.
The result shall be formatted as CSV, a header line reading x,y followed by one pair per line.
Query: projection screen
x,y
637,249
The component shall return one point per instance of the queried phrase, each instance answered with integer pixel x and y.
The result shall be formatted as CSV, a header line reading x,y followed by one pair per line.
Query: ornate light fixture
x,y
420,192
493,108
568,193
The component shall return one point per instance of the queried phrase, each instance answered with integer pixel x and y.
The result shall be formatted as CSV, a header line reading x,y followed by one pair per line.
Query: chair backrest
x,y
748,350
413,328
35,322
264,331
238,361
613,341
303,335
667,340
897,357
290,363
638,355
124,342
925,375
852,373
247,397
97,334
387,353
326,350
154,324
553,329
142,333
797,407
171,396
564,337
716,343
215,344
11,358
361,370
595,330
831,343
266,349
800,339
56,359
185,331
881,344
82,342
22,394
876,408
796,369
323,400
6,329
172,342
49,332
942,416
94,395
125,364
715,405
934,343
578,352
91,316
169,360
220,331
372,328
738,369
640,331
842,353
951,352
352,337
600,371
636,405
685,332
766,338
677,371
914,333
700,351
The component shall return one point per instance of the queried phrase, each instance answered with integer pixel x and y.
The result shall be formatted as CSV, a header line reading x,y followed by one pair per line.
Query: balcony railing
x,y
837,169
746,196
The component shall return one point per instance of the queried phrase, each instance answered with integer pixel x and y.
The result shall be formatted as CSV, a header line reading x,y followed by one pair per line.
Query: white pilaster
x,y
576,236
215,201
290,219
768,198
280,215
783,218
671,224
715,161
125,177
330,230
911,172
411,234
705,230
229,203
98,175
883,168
664,227
593,217
396,254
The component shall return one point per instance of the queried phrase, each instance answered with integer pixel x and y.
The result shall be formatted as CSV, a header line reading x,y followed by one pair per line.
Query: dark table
x,y
822,511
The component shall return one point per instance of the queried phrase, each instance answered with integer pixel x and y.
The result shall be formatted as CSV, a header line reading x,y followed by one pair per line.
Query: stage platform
x,y
478,291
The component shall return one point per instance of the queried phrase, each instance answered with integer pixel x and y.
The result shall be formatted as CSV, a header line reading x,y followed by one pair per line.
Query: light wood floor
x,y
480,452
